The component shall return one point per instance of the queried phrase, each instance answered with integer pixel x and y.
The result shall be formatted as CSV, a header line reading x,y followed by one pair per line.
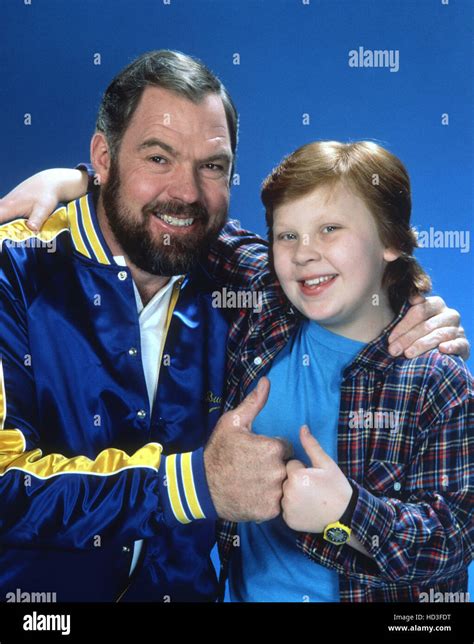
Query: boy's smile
x,y
330,261
314,285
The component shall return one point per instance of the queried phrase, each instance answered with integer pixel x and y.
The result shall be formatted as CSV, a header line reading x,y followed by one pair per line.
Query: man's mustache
x,y
195,210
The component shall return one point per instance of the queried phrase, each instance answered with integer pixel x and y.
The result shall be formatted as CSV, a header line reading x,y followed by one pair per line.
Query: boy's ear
x,y
100,156
391,254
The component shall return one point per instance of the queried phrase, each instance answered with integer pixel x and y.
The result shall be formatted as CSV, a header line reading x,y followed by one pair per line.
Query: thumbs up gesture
x,y
245,471
317,495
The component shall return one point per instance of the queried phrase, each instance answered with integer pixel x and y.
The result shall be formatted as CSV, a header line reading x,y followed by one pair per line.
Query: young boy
x,y
384,506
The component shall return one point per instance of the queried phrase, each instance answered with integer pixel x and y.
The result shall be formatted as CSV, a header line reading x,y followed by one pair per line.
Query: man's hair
x,y
379,178
171,70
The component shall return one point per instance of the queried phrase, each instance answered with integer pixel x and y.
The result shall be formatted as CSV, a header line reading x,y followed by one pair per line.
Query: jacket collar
x,y
86,234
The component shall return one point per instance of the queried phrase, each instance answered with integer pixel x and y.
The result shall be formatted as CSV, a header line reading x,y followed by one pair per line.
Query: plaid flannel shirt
x,y
414,474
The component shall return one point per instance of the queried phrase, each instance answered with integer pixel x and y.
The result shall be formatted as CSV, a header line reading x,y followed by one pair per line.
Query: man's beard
x,y
170,254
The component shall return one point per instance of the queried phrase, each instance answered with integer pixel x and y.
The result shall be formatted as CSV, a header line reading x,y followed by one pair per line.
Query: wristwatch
x,y
339,532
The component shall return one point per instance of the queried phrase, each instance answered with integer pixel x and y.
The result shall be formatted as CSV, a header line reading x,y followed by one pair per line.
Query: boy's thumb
x,y
313,449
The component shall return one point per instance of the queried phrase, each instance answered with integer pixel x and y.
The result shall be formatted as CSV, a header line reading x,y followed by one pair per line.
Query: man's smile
x,y
175,220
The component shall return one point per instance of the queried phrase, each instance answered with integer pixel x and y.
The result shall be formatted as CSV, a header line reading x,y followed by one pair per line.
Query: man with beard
x,y
107,492
96,458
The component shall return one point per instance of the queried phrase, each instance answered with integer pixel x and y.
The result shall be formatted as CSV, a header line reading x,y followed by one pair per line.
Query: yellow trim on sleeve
x,y
12,441
109,461
189,486
173,491
18,231
91,233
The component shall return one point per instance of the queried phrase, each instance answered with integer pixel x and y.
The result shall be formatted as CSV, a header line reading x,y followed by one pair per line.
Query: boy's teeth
x,y
175,221
318,280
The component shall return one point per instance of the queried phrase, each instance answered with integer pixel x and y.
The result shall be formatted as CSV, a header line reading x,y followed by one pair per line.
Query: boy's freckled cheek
x,y
282,264
350,252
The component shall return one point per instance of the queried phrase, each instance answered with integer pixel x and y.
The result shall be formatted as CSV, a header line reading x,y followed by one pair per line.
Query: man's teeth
x,y
175,221
319,280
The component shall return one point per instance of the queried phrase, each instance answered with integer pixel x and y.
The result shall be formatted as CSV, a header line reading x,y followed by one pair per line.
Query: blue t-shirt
x,y
305,383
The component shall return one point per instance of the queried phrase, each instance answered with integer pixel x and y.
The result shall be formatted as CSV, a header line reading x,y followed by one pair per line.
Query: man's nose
x,y
184,185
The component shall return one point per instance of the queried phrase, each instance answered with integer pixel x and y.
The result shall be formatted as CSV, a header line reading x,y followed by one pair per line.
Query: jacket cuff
x,y
184,493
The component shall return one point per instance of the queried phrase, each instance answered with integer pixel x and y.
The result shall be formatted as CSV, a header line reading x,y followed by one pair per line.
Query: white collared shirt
x,y
152,319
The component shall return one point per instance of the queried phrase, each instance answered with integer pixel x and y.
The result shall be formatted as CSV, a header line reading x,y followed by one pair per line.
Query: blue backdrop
x,y
286,64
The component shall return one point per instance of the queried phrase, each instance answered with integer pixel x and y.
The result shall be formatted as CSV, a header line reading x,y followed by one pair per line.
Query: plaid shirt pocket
x,y
384,478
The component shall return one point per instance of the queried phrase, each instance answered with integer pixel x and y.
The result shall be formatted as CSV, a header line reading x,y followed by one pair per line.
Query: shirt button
x,y
125,549
141,413
132,351
257,361
397,486
122,275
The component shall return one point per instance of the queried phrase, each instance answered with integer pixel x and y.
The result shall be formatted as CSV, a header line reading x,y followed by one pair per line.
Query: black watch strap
x,y
346,518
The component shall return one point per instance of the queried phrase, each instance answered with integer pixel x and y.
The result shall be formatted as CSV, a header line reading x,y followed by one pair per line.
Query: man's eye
x,y
158,159
215,167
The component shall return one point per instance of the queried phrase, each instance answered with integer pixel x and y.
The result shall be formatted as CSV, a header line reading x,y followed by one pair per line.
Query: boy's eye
x,y
286,236
330,229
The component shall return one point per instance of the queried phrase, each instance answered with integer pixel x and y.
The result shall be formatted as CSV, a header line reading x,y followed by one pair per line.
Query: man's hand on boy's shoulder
x,y
428,324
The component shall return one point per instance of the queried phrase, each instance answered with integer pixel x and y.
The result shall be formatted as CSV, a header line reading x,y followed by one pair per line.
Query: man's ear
x,y
391,254
100,156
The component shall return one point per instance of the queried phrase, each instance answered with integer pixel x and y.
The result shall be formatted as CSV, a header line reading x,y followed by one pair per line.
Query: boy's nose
x,y
306,252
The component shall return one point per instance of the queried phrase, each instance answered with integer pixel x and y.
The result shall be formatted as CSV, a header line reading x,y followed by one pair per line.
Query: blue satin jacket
x,y
86,468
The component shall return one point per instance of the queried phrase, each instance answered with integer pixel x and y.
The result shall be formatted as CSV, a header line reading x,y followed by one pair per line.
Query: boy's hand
x,y
427,325
37,197
314,496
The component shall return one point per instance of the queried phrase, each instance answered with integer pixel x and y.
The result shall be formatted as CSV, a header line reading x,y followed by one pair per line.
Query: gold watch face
x,y
336,535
